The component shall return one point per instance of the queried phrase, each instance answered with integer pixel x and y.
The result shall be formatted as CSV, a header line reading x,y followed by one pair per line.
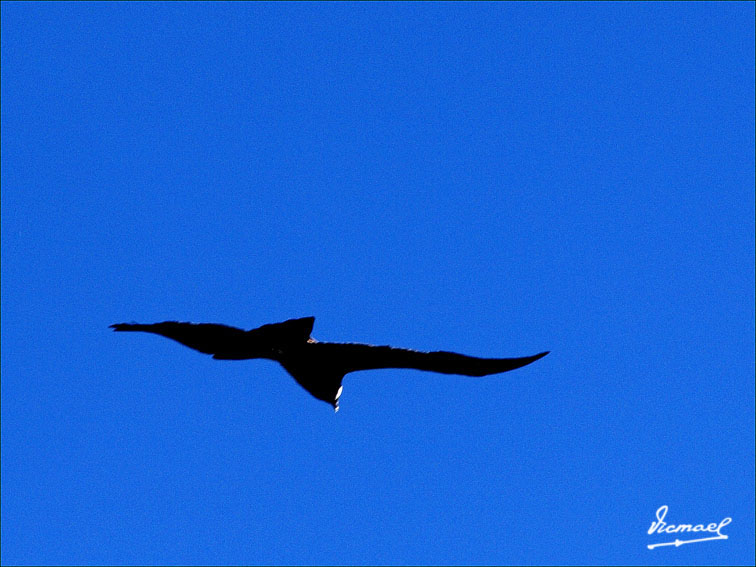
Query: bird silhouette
x,y
319,367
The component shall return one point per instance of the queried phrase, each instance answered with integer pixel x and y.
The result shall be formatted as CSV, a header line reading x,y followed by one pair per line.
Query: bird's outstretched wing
x,y
353,357
230,343
208,338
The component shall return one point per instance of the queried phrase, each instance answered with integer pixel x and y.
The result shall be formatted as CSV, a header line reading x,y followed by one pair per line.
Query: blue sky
x,y
491,179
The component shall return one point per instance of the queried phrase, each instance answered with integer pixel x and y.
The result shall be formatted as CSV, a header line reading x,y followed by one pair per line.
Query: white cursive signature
x,y
661,527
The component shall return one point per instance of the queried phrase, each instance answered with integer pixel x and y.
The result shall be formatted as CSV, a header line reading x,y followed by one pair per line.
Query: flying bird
x,y
318,367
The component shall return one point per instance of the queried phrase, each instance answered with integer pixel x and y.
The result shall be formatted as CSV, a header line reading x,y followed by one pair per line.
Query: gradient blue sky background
x,y
493,179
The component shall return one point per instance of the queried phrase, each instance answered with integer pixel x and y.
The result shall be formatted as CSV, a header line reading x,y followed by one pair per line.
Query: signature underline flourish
x,y
678,542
